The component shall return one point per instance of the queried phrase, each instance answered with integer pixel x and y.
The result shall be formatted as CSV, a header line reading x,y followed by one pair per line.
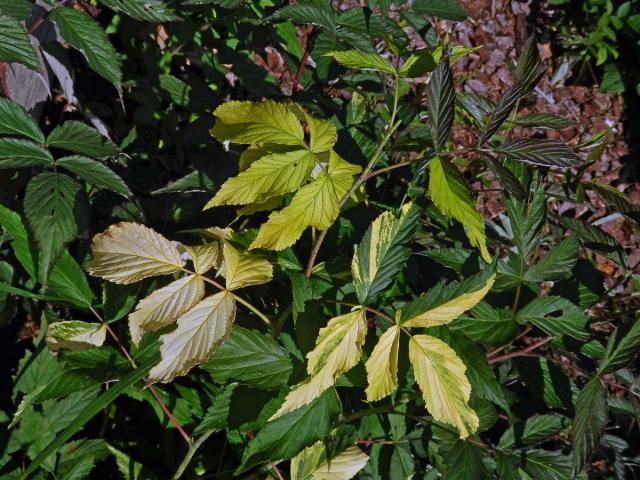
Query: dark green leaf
x,y
176,90
546,465
12,223
217,416
149,10
530,69
80,138
286,436
544,120
91,410
445,9
547,153
464,462
15,44
250,357
571,320
506,178
441,101
533,430
589,421
547,381
49,203
18,9
501,113
196,181
18,153
85,34
96,173
557,263
486,325
14,120
315,13
67,280
621,348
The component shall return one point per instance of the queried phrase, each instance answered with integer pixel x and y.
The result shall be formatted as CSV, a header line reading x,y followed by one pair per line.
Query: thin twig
x,y
393,125
520,353
153,391
193,448
368,309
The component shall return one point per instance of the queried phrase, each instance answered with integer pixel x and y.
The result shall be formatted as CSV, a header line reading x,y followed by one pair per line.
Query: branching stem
x,y
364,176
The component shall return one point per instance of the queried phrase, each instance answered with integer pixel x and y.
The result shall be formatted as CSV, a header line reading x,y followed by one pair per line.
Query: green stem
x,y
253,309
193,448
364,176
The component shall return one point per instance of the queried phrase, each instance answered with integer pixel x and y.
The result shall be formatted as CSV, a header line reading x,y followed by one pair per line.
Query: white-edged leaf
x,y
338,349
75,335
165,305
382,365
128,252
441,376
241,269
200,332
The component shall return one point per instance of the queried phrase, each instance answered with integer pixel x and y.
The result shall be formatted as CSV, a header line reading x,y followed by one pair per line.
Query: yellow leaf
x,y
128,252
165,305
268,176
200,332
382,365
241,268
204,257
441,376
322,133
75,335
312,464
451,195
316,204
249,123
450,310
337,350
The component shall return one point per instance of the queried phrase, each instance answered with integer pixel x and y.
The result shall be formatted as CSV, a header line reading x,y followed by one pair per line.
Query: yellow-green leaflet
x,y
322,133
362,61
204,257
312,464
249,123
200,332
128,252
165,305
382,365
441,376
75,335
451,195
241,268
450,310
315,204
338,349
382,252
268,176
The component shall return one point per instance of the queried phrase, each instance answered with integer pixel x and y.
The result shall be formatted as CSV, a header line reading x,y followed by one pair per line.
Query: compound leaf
x,y
200,332
128,252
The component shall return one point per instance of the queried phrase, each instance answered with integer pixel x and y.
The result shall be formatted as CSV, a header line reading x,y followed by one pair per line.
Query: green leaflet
x,y
383,252
15,45
451,195
86,35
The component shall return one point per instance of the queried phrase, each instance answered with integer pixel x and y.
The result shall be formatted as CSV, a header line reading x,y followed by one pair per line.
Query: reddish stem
x,y
520,353
273,465
3,79
303,62
153,391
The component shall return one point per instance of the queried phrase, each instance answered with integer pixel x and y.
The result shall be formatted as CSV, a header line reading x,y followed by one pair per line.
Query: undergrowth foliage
x,y
294,279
